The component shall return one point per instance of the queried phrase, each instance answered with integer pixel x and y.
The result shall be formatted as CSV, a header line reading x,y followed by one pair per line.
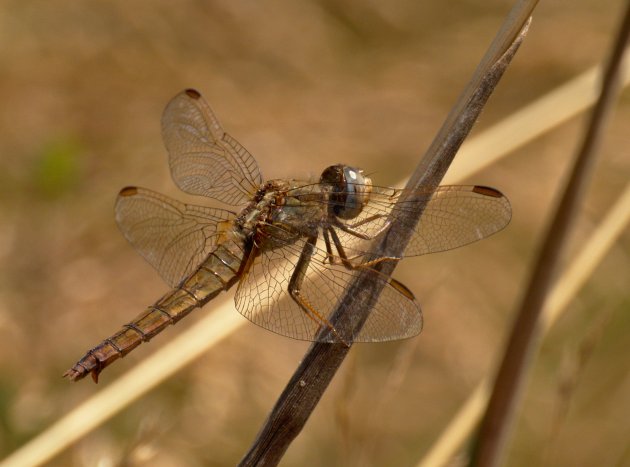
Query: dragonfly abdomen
x,y
217,273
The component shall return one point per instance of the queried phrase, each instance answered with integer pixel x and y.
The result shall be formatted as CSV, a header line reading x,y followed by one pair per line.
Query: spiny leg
x,y
295,285
348,262
352,228
329,253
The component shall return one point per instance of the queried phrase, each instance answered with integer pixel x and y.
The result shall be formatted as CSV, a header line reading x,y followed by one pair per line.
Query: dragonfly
x,y
293,246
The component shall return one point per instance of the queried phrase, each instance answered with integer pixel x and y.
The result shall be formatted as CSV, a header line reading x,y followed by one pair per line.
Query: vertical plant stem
x,y
499,418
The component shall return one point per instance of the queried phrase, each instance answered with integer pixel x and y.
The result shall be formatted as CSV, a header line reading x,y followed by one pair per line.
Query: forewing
x,y
456,216
173,237
263,298
204,159
453,216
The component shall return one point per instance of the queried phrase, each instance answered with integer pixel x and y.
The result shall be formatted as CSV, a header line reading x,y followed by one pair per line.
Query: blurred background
x,y
302,85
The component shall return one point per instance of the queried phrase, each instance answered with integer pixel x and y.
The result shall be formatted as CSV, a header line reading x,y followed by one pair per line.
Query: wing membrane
x,y
204,159
453,216
456,216
173,237
263,297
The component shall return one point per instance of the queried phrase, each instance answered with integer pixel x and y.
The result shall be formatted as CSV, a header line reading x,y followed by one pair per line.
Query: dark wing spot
x,y
402,289
487,191
193,94
128,191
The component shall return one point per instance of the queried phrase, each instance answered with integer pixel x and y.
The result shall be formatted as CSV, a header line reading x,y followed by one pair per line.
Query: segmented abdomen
x,y
218,272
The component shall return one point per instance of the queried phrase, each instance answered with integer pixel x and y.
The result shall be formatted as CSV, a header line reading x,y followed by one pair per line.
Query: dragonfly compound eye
x,y
350,190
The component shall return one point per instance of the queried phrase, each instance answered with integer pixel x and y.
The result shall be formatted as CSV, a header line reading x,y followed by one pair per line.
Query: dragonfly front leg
x,y
295,287
352,228
343,257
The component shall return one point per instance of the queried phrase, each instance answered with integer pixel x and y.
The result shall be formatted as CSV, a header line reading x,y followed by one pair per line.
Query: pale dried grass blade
x,y
171,357
542,115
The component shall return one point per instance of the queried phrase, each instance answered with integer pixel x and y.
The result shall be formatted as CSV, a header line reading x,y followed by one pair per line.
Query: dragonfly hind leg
x,y
295,286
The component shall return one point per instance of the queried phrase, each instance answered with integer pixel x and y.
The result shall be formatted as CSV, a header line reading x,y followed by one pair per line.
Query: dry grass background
x,y
302,86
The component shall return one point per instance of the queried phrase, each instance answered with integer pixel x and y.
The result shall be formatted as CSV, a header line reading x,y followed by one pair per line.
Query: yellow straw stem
x,y
171,357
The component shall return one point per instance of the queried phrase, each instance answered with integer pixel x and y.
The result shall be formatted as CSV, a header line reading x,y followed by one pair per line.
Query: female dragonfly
x,y
292,248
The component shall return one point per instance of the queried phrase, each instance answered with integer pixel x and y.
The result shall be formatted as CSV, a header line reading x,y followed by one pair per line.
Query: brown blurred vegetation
x,y
302,85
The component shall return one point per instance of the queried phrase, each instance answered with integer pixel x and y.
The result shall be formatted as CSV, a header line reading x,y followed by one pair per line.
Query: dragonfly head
x,y
349,190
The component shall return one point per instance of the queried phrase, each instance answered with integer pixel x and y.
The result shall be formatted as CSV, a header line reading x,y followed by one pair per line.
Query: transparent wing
x,y
204,159
173,237
263,297
454,216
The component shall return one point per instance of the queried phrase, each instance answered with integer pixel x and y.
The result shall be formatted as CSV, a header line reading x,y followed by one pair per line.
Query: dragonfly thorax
x,y
259,209
282,212
349,190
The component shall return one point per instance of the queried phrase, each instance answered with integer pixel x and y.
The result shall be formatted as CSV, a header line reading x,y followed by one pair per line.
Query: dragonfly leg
x,y
295,286
330,257
352,228
341,258
370,219
349,262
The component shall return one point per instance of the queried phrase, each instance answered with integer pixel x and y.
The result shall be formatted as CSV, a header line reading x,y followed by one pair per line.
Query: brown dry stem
x,y
523,341
321,362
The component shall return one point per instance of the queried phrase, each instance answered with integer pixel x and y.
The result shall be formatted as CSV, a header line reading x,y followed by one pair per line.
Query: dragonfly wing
x,y
456,216
263,297
453,216
173,237
204,159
